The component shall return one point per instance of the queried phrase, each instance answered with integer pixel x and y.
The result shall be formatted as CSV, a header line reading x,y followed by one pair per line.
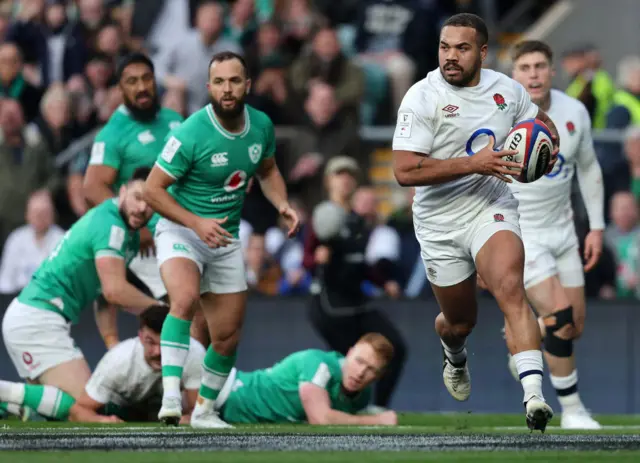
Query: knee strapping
x,y
553,323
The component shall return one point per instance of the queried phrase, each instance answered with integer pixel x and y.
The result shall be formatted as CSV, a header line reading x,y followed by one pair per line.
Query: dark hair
x,y
227,56
141,173
470,20
153,317
132,58
532,46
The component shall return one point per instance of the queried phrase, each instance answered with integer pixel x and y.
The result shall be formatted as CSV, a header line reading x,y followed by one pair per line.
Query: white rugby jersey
x,y
445,122
546,202
124,378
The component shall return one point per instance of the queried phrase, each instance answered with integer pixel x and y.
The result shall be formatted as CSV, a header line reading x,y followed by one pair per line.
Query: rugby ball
x,y
532,140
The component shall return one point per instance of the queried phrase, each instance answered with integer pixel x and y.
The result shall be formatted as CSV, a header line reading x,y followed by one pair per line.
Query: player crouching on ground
x,y
313,386
126,385
90,259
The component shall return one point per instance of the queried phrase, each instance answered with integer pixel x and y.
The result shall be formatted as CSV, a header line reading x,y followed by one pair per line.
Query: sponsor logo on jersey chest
x,y
219,160
236,180
451,111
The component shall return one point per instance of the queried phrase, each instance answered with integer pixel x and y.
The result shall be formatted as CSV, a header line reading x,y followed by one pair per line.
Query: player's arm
x,y
172,164
115,287
102,170
317,406
107,323
98,391
85,410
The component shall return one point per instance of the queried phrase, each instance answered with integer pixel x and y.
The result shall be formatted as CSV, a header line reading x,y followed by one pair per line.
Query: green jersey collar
x,y
225,133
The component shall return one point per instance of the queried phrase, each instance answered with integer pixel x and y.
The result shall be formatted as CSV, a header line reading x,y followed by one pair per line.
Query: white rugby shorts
x,y
37,339
449,256
148,270
222,270
552,251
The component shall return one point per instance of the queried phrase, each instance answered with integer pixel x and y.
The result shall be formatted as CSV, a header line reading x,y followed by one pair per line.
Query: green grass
x,y
318,457
409,423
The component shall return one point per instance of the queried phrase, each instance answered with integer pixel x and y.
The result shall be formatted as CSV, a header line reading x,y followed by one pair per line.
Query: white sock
x,y
455,356
529,365
14,409
567,390
11,392
171,387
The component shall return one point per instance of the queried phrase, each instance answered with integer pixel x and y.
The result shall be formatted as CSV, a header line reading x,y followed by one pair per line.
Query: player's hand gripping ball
x,y
328,219
532,140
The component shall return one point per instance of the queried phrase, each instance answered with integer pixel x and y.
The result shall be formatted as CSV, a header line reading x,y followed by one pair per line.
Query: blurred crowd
x,y
323,67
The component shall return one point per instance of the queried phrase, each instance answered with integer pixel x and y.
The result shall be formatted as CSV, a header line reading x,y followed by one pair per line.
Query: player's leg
x,y
40,345
224,300
180,268
48,401
499,256
199,328
450,271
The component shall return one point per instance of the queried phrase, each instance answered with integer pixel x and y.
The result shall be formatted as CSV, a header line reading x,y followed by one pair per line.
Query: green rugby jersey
x,y
212,166
271,395
67,281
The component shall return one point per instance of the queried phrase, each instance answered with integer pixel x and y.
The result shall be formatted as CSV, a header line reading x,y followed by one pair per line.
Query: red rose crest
x,y
499,99
498,217
571,128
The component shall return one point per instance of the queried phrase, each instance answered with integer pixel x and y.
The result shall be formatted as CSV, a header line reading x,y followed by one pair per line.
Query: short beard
x,y
125,216
228,114
465,76
140,114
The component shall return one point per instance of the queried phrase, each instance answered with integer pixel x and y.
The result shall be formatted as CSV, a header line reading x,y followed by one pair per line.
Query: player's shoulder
x,y
566,103
122,353
168,114
258,118
330,358
105,213
422,97
195,122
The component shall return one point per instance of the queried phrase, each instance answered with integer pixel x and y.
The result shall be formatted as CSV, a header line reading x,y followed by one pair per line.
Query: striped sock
x,y
174,348
529,366
215,371
10,408
48,401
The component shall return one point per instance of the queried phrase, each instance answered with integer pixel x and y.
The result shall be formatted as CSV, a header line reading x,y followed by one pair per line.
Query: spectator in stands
x,y
398,35
92,14
241,24
626,109
632,151
267,63
184,67
591,84
55,122
331,87
13,83
5,20
26,165
300,21
50,42
110,41
623,237
27,246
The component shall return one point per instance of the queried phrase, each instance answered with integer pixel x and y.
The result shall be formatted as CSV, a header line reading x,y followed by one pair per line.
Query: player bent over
x,y
126,384
553,271
465,217
205,165
90,259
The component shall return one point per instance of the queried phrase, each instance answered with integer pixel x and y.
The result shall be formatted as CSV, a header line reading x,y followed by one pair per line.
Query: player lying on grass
x,y
89,260
313,386
126,384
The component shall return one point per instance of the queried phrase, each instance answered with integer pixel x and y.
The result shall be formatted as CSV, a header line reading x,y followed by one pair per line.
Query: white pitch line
x,y
630,427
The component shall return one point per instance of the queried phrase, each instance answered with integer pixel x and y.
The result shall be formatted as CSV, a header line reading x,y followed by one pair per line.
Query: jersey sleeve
x,y
105,151
191,374
177,155
108,239
104,383
525,108
415,126
316,369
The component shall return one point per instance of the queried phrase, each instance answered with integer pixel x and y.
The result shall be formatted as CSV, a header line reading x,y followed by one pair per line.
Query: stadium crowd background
x,y
321,69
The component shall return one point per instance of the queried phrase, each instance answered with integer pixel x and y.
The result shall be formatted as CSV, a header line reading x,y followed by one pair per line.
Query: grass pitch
x,y
419,438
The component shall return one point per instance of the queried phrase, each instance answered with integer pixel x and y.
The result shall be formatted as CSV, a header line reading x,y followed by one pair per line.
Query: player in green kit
x,y
90,259
198,186
311,386
132,138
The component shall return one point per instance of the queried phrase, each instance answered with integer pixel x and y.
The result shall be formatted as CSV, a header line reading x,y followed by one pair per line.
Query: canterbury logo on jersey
x,y
146,137
219,160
